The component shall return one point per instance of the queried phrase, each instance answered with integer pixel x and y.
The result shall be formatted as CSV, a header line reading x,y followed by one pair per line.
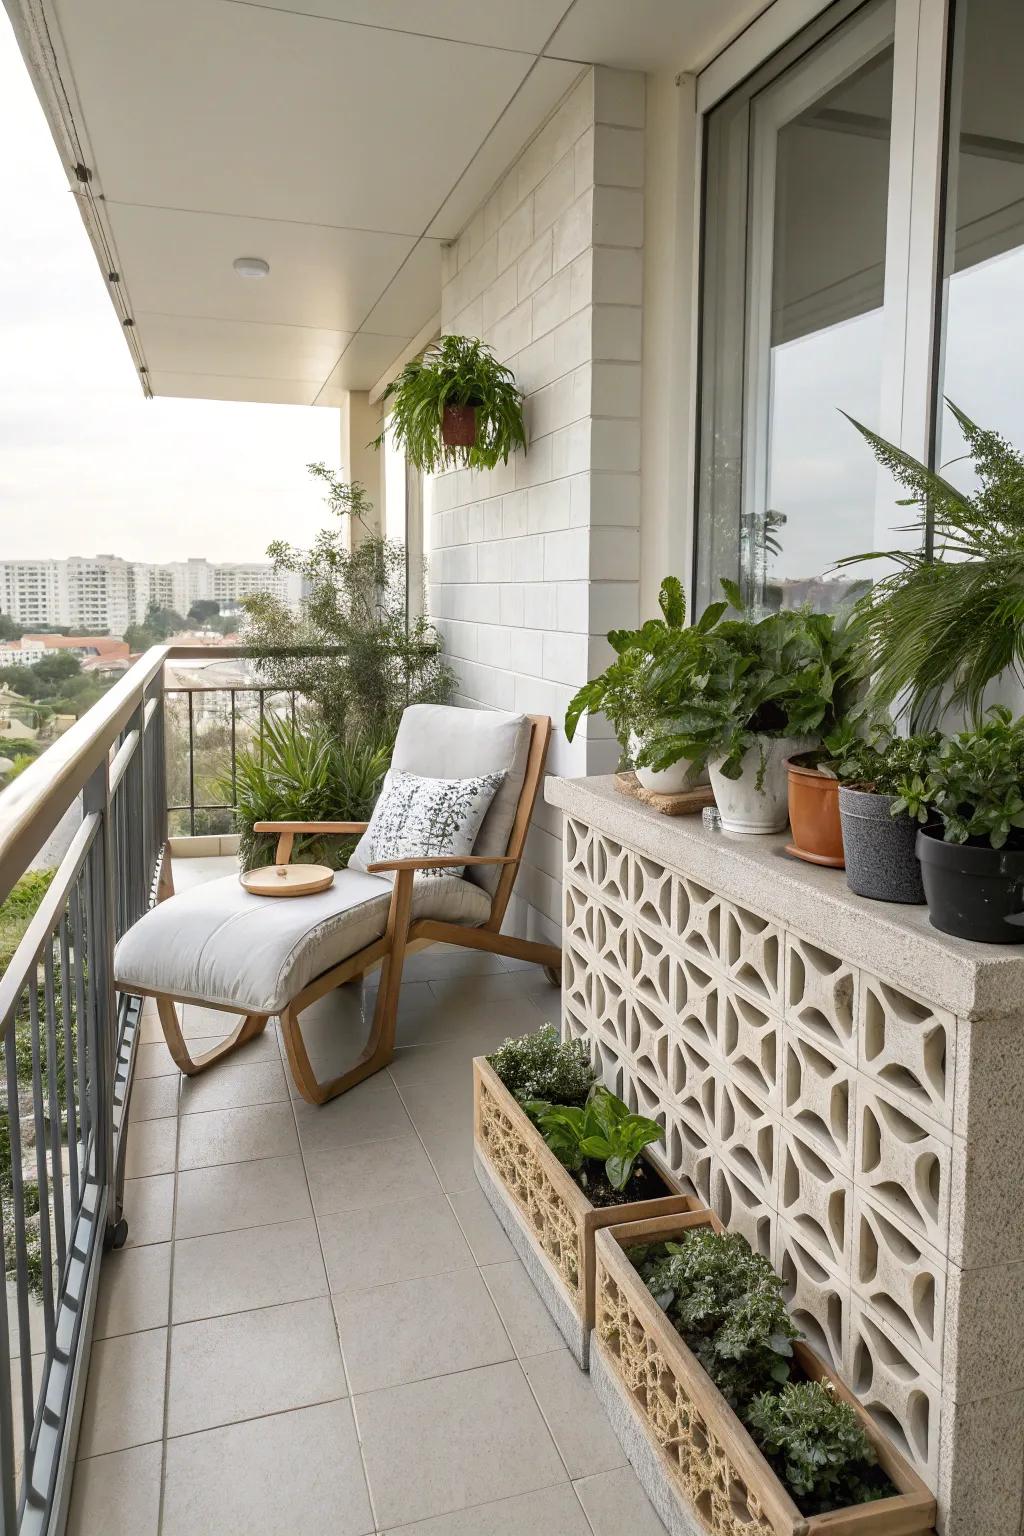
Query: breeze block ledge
x,y
841,1083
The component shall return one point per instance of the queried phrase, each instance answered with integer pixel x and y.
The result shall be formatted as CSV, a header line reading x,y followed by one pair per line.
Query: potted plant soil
x,y
972,855
730,1420
558,1157
814,810
880,847
656,670
455,404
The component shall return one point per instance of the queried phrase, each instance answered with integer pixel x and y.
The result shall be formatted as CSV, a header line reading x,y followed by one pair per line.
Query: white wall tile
x,y
617,332
534,265
553,194
552,303
516,234
574,230
618,156
618,216
617,276
616,389
619,97
498,299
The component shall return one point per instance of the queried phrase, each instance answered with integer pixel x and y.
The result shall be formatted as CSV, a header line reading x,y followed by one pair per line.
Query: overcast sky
x,y
87,465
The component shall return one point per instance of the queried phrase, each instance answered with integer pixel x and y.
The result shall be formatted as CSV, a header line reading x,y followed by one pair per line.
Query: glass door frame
x,y
913,233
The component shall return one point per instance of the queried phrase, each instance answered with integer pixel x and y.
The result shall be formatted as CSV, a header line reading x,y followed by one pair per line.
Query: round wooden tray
x,y
288,880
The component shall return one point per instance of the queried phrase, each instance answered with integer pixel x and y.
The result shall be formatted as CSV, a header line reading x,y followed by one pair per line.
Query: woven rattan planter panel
x,y
698,1464
549,1220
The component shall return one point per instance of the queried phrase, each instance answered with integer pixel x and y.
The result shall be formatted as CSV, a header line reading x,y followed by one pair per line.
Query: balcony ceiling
x,y
344,147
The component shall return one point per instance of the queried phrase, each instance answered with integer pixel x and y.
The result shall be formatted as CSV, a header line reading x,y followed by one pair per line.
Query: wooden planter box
x,y
698,1464
548,1218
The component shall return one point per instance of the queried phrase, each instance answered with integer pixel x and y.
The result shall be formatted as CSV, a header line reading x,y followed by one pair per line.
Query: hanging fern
x,y
940,626
456,370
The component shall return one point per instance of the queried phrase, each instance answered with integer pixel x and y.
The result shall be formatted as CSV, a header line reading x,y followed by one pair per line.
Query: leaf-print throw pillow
x,y
416,817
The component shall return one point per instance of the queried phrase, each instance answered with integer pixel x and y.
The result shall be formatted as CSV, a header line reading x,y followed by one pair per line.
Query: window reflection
x,y
983,337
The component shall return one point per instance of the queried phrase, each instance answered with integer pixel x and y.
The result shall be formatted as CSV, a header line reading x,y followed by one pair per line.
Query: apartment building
x,y
104,593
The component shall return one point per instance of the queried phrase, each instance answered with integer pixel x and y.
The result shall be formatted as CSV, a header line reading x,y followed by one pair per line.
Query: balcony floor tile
x,y
286,1224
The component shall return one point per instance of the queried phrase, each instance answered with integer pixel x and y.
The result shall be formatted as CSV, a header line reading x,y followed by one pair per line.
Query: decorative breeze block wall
x,y
812,1102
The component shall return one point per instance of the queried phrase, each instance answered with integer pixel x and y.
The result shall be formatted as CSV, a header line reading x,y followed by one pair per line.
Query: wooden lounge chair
x,y
219,946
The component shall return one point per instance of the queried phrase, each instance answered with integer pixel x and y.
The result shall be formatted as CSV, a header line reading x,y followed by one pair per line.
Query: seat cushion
x,y
218,944
441,741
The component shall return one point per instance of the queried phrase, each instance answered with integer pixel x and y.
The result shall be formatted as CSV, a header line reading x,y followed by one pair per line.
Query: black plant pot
x,y
976,893
881,857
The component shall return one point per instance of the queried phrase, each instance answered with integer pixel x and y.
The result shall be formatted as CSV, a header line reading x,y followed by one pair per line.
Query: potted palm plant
x,y
455,404
971,847
769,688
947,617
657,670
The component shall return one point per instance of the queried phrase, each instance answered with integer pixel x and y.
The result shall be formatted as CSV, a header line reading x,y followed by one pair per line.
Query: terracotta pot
x,y
814,815
458,426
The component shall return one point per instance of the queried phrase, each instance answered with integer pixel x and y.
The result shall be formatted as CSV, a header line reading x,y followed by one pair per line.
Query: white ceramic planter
x,y
667,781
745,808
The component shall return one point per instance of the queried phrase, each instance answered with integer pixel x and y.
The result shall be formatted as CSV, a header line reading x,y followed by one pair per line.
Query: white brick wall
x,y
533,562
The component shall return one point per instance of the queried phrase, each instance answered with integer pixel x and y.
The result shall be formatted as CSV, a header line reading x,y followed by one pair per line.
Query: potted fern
x,y
455,404
948,616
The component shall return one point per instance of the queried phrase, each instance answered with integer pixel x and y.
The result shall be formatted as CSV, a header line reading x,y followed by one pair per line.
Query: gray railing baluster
x,y
21,1268
8,1481
42,1176
69,1016
53,1089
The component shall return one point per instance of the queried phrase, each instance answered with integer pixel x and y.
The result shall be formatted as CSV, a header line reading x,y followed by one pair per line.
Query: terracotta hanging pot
x,y
458,426
814,814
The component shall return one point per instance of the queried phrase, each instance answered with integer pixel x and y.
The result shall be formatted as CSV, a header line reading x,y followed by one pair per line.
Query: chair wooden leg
x,y
249,1027
380,1045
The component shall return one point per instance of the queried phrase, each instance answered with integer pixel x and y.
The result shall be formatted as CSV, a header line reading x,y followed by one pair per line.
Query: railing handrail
x,y
33,804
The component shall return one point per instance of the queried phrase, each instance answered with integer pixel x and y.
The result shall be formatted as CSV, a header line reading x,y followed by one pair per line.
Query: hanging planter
x,y
455,405
458,426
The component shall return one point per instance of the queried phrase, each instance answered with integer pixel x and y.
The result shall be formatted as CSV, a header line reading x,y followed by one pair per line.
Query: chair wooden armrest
x,y
439,861
287,831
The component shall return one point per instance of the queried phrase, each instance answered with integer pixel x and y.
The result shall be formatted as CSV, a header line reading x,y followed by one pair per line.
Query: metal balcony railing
x,y
69,1044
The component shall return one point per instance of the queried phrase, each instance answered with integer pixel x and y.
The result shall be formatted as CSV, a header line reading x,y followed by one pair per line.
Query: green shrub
x,y
880,762
603,1131
727,1303
817,1446
539,1066
299,772
352,652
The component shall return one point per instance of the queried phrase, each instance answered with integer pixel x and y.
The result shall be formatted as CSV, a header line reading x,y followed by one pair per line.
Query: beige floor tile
x,y
237,1135
439,1107
263,1047
463,996
231,1086
553,1510
247,1364
149,1209
237,1271
287,1474
135,1287
151,1146
615,1503
421,1064
124,1400
449,960
451,1153
441,1445
372,1111
154,1061
419,1328
118,1494
372,1173
232,1195
197,1021
153,1098
481,1228
525,1316
578,1423
384,1243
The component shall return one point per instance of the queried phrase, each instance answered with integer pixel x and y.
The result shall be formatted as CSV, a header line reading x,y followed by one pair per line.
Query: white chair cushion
x,y
218,944
441,741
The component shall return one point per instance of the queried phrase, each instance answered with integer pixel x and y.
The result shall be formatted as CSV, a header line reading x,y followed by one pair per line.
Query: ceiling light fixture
x,y
251,266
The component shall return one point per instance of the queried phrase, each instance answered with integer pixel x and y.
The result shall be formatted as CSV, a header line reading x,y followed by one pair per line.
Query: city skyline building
x,y
105,593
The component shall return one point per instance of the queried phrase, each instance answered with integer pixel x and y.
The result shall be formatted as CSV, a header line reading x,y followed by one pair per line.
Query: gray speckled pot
x,y
881,861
